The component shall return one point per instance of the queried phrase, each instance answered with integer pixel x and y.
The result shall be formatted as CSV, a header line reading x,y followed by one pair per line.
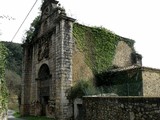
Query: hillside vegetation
x,y
14,59
3,89
13,72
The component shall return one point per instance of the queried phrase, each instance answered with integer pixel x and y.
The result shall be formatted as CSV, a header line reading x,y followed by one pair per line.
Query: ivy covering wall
x,y
3,89
99,48
98,44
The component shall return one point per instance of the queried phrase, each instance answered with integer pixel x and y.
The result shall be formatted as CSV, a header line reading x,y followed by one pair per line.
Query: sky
x,y
135,19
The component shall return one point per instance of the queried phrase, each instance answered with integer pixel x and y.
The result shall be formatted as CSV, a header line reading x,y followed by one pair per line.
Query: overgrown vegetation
x,y
87,88
33,30
13,72
98,44
120,83
14,58
17,115
82,88
37,118
3,88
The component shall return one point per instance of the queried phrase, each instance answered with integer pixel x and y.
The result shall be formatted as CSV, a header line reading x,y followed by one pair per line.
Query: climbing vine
x,y
98,44
3,89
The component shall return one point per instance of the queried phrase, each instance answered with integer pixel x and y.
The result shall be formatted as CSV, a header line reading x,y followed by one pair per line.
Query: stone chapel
x,y
52,63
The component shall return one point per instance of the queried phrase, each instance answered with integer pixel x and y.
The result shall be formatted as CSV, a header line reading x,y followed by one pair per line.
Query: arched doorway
x,y
44,77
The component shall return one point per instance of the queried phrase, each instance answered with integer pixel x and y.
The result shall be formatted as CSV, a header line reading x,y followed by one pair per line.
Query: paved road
x,y
11,117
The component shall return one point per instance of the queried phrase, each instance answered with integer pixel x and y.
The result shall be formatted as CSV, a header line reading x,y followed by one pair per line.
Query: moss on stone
x,y
98,44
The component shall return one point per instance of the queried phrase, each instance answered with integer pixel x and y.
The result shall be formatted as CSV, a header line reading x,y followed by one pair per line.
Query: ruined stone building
x,y
47,67
63,52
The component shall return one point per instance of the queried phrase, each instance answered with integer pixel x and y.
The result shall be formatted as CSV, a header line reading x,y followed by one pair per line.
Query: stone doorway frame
x,y
43,87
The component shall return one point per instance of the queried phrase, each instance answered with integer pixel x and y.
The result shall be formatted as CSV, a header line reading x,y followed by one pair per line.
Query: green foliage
x,y
13,81
13,72
17,115
82,88
37,118
129,42
98,44
14,58
33,30
3,88
14,87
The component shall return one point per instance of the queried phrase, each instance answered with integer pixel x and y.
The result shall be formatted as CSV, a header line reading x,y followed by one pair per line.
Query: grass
x,y
17,115
37,118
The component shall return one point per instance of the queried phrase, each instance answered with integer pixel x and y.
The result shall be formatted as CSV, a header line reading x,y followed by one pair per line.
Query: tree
x,y
13,72
33,30
3,88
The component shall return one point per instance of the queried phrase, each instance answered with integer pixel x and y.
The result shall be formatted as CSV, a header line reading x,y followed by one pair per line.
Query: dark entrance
x,y
44,86
80,112
44,102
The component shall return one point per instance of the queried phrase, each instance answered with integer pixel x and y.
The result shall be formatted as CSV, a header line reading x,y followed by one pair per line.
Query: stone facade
x,y
81,70
52,63
121,108
123,57
47,65
151,82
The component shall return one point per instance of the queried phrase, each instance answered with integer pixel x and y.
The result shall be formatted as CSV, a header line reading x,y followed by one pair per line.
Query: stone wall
x,y
81,70
122,57
121,108
151,82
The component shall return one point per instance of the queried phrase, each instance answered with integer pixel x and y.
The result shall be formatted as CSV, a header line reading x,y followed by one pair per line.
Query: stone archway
x,y
49,52
44,77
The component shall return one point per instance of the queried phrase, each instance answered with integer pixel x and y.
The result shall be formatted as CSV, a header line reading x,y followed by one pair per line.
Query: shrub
x,y
3,89
82,88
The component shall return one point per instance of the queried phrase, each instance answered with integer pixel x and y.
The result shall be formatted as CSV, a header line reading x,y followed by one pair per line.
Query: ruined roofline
x,y
121,38
124,68
150,68
126,39
132,68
